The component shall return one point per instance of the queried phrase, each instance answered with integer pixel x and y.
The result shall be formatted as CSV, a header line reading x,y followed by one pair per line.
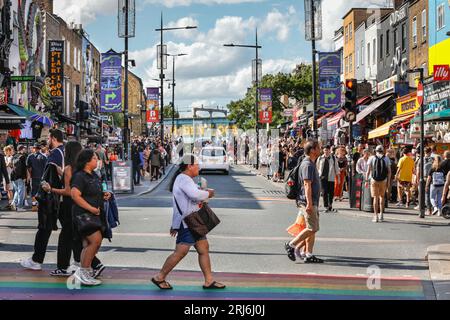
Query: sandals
x,y
313,259
290,251
164,282
214,286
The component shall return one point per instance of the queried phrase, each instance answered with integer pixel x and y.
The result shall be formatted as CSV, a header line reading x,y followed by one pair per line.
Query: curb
x,y
153,187
439,266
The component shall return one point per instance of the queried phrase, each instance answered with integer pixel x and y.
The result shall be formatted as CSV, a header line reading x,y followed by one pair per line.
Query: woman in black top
x,y
88,197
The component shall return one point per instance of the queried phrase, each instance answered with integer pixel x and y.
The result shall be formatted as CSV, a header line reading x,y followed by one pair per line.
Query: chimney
x,y
47,4
398,3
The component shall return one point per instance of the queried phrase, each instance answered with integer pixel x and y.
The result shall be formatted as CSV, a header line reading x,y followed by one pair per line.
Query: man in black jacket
x,y
18,178
4,173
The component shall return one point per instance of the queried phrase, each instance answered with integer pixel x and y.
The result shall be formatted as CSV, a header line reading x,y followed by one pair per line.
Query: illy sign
x,y
441,73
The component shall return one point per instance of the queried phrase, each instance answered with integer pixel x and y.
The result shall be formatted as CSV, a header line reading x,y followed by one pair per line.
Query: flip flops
x,y
159,283
214,286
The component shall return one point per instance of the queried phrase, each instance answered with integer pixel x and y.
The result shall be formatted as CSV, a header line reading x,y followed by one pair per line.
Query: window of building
x,y
362,53
357,58
404,36
68,53
67,108
380,45
368,54
350,63
395,40
346,65
374,49
424,25
346,34
387,42
414,30
440,16
350,30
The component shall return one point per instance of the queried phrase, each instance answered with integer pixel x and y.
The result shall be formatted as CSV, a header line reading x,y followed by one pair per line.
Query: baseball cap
x,y
37,145
379,149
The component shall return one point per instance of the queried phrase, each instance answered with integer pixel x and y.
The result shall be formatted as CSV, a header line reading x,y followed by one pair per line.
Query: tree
x,y
297,84
168,111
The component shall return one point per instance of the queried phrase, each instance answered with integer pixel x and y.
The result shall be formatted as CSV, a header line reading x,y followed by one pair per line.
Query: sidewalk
x,y
439,262
393,214
146,186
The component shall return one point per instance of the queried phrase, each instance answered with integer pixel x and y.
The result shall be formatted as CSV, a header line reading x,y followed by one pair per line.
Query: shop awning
x,y
9,121
368,110
384,129
443,115
319,120
20,111
335,119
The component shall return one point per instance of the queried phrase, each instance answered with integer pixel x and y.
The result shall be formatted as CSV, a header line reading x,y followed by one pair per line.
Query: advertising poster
x,y
111,82
56,70
122,176
265,105
152,105
330,82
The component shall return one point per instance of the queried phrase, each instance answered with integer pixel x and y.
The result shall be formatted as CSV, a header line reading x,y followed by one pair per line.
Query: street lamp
x,y
257,69
422,149
161,75
173,86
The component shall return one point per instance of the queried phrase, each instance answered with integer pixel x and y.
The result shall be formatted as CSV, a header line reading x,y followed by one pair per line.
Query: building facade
x,y
418,38
439,41
360,43
136,103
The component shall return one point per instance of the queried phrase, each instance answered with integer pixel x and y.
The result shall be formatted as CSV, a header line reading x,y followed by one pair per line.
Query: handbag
x,y
201,222
88,223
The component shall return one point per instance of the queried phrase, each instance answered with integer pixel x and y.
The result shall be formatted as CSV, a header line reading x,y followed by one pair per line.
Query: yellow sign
x,y
407,104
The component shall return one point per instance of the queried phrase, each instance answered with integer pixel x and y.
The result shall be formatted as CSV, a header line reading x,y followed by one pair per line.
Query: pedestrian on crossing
x,y
186,198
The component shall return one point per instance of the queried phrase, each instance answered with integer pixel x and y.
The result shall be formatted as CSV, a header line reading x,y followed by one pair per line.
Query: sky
x,y
211,74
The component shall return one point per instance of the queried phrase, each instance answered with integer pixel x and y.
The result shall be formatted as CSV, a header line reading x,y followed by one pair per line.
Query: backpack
x,y
291,183
380,170
438,178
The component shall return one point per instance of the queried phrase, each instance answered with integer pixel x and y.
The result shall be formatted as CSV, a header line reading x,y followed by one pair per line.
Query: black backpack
x,y
380,169
291,183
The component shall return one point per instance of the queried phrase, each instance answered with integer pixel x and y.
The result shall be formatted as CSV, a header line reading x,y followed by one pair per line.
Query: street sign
x,y
441,73
329,81
104,118
23,78
420,93
122,177
111,82
3,96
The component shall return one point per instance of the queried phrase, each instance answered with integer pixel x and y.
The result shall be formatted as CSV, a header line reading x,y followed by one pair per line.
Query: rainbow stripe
x,y
134,284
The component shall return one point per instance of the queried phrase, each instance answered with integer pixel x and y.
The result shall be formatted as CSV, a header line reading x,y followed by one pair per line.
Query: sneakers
x,y
436,210
381,217
85,278
375,219
21,210
399,204
312,259
290,251
73,267
60,273
97,271
300,255
30,264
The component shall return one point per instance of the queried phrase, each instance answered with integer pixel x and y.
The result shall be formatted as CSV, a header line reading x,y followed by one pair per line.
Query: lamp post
x,y
173,86
161,75
257,69
422,148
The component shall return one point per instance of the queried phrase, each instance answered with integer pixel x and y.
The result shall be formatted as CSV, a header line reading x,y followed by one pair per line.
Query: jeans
x,y
136,175
19,193
436,196
328,193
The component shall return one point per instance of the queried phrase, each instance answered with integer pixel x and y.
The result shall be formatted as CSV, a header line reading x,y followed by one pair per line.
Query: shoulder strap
x,y
62,155
178,207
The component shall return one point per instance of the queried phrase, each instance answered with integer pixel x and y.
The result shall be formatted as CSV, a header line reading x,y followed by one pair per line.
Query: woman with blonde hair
x,y
342,163
436,179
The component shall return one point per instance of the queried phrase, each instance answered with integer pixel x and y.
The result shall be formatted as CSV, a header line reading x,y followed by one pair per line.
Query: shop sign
x,y
386,85
3,96
407,105
441,73
436,92
56,69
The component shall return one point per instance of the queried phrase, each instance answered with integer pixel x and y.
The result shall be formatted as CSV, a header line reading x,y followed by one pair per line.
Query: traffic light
x,y
84,111
351,95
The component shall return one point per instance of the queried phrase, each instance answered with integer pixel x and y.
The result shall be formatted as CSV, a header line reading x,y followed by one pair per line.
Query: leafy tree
x,y
168,111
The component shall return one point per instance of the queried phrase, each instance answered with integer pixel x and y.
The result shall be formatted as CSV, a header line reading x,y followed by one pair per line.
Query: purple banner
x,y
330,81
111,82
153,94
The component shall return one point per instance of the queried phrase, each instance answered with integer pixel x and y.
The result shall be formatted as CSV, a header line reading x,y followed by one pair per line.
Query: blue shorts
x,y
186,237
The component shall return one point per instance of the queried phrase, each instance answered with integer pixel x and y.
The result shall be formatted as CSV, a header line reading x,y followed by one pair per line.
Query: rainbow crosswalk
x,y
134,284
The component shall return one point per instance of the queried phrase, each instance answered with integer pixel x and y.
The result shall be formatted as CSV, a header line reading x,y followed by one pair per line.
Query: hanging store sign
x,y
407,105
265,105
111,82
56,69
441,73
152,105
437,97
386,85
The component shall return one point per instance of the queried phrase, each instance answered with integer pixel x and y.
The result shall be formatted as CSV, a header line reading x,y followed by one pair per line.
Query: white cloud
x,y
184,22
83,11
177,3
332,13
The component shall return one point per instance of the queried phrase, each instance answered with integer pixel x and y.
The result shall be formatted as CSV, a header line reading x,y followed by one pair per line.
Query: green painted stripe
x,y
106,286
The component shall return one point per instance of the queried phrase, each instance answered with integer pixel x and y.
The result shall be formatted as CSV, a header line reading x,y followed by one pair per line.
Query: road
x,y
247,251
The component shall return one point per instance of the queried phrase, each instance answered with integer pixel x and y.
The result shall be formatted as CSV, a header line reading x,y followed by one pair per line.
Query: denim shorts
x,y
185,236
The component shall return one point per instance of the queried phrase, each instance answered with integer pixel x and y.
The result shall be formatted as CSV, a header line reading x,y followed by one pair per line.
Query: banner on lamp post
x,y
152,105
265,105
111,82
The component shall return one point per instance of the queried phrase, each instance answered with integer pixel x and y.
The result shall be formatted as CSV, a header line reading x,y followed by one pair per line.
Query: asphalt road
x,y
255,214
